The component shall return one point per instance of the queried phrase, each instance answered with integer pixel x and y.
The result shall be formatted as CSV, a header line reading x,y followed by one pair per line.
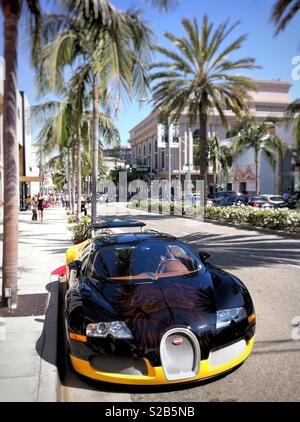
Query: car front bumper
x,y
217,363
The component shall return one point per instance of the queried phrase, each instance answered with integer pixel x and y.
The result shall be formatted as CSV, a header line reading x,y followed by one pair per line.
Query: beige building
x,y
26,162
270,99
112,163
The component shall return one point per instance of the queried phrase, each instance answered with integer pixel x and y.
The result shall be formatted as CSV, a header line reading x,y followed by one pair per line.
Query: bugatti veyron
x,y
143,308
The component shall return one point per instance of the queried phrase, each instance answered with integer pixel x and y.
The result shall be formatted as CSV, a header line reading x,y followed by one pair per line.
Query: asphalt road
x,y
269,265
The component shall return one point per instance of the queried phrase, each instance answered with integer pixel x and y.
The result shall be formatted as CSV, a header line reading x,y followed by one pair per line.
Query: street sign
x,y
168,130
174,134
142,168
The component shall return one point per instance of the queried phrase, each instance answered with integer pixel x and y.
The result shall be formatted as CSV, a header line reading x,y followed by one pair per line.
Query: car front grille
x,y
180,354
119,365
224,355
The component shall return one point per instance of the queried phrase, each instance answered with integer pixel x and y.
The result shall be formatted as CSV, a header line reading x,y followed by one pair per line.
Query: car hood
x,y
150,308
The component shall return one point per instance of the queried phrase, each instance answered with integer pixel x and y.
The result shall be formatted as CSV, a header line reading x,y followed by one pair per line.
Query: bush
x,y
81,231
278,219
165,207
72,219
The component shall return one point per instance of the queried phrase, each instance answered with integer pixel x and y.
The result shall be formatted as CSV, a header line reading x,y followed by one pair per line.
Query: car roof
x,y
123,238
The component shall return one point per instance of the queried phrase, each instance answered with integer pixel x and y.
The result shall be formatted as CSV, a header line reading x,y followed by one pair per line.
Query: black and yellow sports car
x,y
143,308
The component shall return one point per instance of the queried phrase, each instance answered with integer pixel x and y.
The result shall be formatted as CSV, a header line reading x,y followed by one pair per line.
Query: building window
x,y
163,160
196,134
279,108
149,148
155,145
155,162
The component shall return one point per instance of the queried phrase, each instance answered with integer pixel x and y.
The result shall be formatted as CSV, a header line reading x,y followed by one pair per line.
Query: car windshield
x,y
276,198
257,198
148,259
233,198
188,197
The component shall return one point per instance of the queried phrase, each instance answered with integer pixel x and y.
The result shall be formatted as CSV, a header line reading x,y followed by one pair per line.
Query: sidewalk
x,y
28,343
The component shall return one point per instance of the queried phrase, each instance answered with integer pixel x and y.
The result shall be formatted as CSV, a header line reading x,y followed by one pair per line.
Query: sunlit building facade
x,y
270,99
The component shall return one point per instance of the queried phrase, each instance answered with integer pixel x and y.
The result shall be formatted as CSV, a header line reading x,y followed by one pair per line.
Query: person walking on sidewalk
x,y
34,208
40,200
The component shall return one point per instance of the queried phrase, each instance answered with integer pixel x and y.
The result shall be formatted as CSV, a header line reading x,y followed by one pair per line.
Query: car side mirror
x,y
204,256
75,265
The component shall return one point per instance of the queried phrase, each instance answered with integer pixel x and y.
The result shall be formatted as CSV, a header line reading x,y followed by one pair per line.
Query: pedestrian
x,y
83,206
286,195
67,201
28,202
41,203
34,208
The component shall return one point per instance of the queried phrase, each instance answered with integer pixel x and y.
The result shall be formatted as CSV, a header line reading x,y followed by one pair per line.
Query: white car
x,y
276,200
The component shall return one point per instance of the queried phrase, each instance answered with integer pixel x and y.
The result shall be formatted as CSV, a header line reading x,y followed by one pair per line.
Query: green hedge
x,y
165,207
278,219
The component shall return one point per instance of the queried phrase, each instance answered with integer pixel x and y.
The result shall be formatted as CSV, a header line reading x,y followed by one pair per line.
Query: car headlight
x,y
226,316
117,329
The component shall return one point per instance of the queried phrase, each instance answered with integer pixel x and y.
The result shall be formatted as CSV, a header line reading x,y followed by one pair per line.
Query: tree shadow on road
x,y
238,250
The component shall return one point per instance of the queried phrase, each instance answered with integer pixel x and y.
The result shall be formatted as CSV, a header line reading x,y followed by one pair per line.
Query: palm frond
x,y
283,12
164,5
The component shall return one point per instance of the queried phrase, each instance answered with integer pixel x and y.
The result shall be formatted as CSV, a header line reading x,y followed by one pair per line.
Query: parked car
x,y
276,201
192,198
235,199
217,197
259,202
145,309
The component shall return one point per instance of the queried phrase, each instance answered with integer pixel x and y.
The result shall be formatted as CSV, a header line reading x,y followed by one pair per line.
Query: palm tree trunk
x,y
279,172
215,174
95,150
256,160
72,197
69,176
11,11
78,184
203,149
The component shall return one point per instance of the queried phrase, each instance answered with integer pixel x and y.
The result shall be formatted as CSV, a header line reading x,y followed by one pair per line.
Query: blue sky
x,y
274,54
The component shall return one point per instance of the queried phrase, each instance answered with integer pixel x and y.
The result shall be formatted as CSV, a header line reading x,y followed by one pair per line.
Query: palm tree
x,y
67,128
283,12
199,78
55,121
293,116
113,47
12,10
251,134
226,157
221,156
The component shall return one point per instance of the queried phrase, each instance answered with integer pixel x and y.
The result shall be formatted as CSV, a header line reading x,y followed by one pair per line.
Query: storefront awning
x,y
30,179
